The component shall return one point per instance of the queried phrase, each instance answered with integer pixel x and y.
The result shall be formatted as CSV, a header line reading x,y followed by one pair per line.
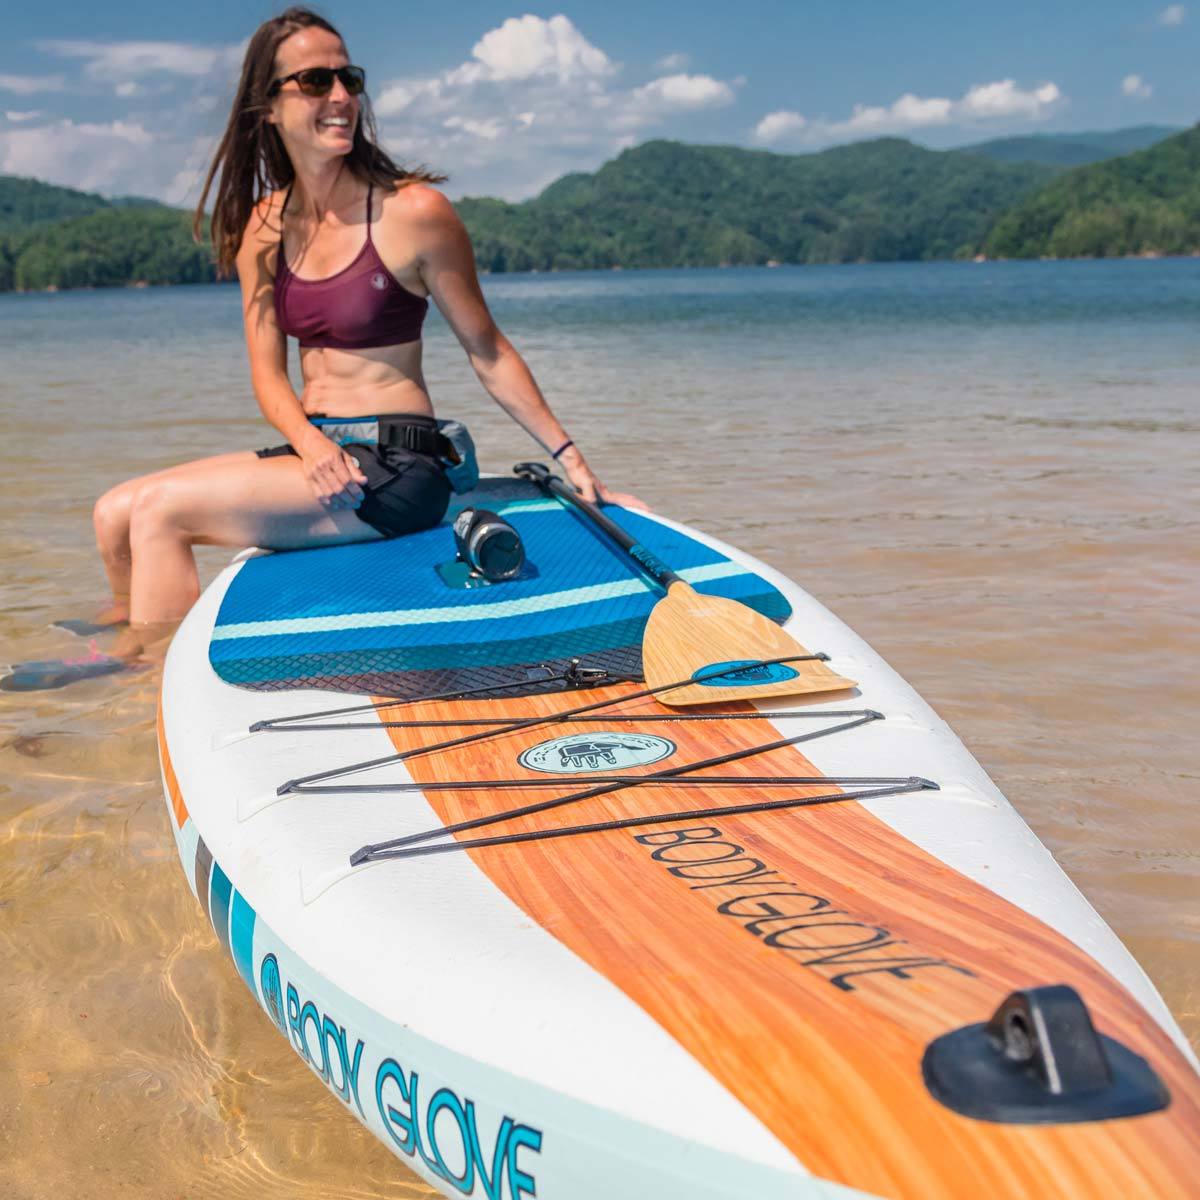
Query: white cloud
x,y
673,62
27,85
105,61
685,91
528,46
779,124
18,118
533,99
488,130
909,112
183,188
157,149
1002,100
1173,14
396,97
542,81
95,157
1137,87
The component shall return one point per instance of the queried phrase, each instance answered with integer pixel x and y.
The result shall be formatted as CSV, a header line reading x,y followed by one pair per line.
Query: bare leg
x,y
147,528
239,500
111,518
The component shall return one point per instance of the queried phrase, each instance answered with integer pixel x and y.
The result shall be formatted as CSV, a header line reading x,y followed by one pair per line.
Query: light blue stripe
x,y
494,611
527,506
491,643
241,939
187,839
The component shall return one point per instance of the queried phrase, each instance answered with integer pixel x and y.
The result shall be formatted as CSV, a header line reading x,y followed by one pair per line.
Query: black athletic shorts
x,y
404,492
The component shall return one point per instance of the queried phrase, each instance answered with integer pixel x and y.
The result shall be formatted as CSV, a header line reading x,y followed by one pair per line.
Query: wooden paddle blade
x,y
688,633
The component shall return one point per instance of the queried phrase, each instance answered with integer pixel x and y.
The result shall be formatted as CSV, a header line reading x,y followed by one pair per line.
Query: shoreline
x,y
772,265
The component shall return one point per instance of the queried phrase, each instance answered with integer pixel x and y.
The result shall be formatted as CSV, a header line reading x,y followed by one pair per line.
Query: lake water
x,y
991,471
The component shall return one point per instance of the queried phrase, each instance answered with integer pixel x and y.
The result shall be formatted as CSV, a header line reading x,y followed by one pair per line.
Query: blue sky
x,y
130,98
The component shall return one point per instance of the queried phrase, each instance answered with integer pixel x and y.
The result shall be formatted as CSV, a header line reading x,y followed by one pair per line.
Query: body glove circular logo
x,y
272,992
580,753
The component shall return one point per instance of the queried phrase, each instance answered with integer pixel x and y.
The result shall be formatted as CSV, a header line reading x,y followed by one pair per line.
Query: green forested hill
x,y
28,202
1144,203
662,204
1072,149
665,204
109,248
58,237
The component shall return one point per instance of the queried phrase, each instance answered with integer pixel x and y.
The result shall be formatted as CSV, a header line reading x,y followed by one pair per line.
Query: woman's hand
x,y
583,479
333,475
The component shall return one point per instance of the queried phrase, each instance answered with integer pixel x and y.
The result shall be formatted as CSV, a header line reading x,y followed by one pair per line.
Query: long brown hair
x,y
251,159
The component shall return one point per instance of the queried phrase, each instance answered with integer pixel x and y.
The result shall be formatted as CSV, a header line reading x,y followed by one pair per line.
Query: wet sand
x,y
1006,511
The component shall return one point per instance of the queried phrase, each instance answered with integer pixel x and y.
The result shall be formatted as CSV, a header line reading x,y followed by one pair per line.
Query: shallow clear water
x,y
990,470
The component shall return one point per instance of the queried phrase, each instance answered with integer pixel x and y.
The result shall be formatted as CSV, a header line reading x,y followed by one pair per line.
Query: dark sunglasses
x,y
318,81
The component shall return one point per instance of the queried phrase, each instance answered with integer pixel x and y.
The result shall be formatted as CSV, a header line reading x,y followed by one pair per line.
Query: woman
x,y
335,244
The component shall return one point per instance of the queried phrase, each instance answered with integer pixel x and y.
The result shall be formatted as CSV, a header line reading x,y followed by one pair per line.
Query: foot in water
x,y
107,620
58,672
81,628
139,646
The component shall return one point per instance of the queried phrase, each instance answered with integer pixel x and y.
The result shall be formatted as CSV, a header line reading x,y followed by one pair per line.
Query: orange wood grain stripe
x,y
834,1072
174,793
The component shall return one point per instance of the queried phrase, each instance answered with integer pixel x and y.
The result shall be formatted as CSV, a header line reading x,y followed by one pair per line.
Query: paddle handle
x,y
646,559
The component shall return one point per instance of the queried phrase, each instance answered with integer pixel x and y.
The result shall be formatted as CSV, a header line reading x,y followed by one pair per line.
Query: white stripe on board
x,y
495,611
528,506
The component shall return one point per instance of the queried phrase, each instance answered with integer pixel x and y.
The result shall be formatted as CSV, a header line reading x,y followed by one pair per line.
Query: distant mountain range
x,y
665,204
1072,149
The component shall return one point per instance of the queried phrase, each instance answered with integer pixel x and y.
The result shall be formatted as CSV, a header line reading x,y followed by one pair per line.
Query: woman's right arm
x,y
334,476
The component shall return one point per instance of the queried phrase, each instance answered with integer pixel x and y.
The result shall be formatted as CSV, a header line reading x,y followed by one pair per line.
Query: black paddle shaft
x,y
646,559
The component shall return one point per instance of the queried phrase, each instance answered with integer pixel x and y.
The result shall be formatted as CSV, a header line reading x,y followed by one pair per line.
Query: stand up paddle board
x,y
547,935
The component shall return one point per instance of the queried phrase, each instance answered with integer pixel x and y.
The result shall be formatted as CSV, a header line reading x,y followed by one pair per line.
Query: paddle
x,y
692,635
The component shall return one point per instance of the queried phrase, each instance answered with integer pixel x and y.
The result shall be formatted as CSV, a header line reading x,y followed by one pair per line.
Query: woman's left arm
x,y
447,265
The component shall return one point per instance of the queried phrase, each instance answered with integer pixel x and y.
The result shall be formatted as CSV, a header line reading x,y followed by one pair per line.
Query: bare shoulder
x,y
265,220
418,206
260,237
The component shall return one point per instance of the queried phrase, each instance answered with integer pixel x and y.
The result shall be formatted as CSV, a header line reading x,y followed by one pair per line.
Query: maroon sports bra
x,y
359,307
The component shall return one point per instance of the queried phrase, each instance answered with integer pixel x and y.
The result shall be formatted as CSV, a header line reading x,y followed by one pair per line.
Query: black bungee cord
x,y
388,850
423,843
294,785
604,789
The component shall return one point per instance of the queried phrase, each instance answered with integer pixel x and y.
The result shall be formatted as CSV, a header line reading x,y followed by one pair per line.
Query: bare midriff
x,y
360,383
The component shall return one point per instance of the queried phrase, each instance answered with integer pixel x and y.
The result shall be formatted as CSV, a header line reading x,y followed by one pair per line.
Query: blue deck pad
x,y
377,616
